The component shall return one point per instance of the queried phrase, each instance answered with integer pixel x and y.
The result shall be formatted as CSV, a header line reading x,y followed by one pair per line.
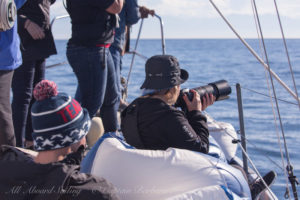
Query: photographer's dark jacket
x,y
91,24
22,179
37,11
160,126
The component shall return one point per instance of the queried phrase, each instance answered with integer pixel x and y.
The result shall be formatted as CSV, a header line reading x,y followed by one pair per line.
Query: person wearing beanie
x,y
152,122
60,125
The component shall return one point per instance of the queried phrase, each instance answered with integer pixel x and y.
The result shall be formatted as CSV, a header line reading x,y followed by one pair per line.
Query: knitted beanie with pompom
x,y
58,120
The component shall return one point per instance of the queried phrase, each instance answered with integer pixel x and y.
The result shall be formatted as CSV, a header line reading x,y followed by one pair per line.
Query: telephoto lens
x,y
220,89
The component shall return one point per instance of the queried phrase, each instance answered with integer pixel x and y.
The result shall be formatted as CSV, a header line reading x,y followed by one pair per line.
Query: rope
x,y
265,154
8,12
269,96
289,168
252,51
248,158
256,171
273,88
254,146
287,52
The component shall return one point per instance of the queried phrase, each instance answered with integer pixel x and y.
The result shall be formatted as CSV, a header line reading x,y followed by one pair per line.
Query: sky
x,y
199,19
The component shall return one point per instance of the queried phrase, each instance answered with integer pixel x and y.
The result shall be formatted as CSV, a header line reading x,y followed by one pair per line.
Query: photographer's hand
x,y
207,101
195,104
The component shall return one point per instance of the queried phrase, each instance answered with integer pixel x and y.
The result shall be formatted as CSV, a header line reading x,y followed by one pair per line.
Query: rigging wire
x,y
274,91
265,154
252,51
251,90
269,96
292,178
287,52
258,174
255,14
253,145
248,158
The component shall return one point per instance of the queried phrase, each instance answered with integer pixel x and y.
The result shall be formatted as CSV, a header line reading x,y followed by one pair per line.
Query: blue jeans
x,y
117,58
97,86
24,79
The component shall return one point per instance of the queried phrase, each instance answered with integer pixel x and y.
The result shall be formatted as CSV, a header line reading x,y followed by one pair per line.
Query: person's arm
x,y
115,7
187,133
24,22
191,132
35,31
132,13
135,12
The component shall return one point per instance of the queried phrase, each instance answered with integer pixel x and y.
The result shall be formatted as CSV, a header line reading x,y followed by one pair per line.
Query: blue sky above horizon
x,y
198,19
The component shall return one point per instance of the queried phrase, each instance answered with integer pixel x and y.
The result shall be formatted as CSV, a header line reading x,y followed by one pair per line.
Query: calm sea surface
x,y
209,60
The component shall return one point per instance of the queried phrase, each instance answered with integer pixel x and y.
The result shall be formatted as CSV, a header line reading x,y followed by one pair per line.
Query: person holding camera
x,y
152,122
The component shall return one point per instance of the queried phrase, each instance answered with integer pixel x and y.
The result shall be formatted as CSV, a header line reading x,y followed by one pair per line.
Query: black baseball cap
x,y
163,71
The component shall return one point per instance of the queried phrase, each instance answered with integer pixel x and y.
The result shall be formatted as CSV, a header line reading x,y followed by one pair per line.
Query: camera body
x,y
220,90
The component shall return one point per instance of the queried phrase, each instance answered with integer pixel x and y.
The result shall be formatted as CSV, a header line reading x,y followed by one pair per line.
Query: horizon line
x,y
251,38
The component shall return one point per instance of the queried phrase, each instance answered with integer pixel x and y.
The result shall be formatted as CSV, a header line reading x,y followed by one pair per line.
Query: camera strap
x,y
8,13
129,125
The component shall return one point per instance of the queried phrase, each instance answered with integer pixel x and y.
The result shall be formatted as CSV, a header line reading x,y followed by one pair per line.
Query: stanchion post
x,y
242,128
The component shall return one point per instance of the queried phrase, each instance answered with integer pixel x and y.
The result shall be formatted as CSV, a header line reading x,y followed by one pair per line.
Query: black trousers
x,y
7,135
24,80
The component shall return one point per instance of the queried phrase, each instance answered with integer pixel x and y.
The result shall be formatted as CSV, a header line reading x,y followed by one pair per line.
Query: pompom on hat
x,y
58,120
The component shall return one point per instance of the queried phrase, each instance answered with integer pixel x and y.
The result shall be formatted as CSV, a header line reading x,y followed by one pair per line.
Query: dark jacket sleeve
x,y
85,186
187,133
132,12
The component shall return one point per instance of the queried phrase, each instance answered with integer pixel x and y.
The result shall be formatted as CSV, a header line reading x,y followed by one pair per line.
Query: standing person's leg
x,y
111,102
22,93
89,66
116,56
39,75
7,135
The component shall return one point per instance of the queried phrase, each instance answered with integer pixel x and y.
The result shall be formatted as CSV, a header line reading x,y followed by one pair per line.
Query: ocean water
x,y
209,60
